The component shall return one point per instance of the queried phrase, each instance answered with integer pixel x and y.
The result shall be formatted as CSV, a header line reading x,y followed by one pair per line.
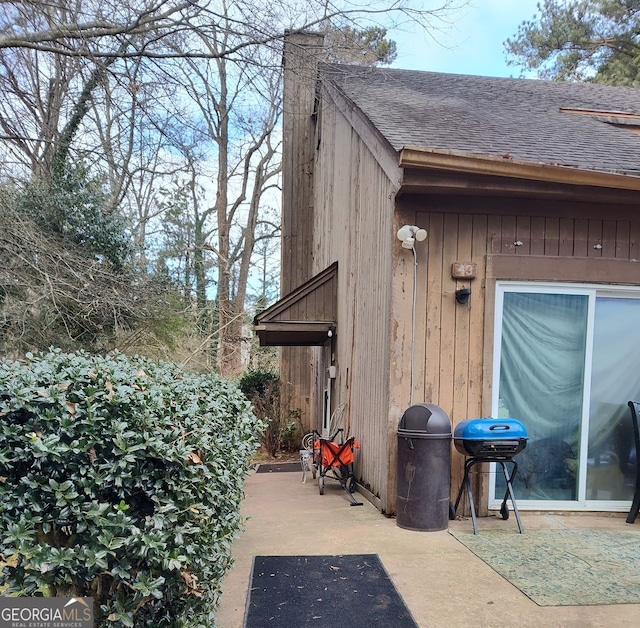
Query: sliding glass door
x,y
566,363
615,379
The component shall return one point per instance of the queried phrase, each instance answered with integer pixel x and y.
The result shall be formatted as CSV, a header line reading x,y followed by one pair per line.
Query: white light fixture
x,y
410,234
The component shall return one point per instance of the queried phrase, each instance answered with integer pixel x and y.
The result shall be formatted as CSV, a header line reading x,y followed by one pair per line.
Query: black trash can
x,y
424,468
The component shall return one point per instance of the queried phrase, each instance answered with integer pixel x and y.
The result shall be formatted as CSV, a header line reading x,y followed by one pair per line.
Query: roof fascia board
x,y
295,333
411,157
472,184
377,144
288,326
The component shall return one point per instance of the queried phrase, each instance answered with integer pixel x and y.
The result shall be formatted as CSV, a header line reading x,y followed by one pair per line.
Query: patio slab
x,y
440,580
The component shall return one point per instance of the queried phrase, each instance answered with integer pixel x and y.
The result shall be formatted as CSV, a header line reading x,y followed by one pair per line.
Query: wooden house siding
x,y
318,306
354,171
356,215
454,342
354,224
300,57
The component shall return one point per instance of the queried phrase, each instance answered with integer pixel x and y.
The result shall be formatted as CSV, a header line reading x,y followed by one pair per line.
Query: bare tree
x,y
37,103
170,100
90,29
239,105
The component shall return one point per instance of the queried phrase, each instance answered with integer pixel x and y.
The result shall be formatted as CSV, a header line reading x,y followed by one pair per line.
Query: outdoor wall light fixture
x,y
463,294
410,234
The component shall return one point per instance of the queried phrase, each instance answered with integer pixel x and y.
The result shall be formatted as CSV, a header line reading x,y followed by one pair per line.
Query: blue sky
x,y
471,44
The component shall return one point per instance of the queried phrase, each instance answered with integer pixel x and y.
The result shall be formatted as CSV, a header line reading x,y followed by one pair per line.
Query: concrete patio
x,y
440,580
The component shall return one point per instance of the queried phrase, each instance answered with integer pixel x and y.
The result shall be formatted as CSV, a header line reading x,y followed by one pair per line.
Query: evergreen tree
x,y
586,40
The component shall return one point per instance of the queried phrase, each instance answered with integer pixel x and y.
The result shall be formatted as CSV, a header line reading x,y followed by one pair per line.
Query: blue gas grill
x,y
490,440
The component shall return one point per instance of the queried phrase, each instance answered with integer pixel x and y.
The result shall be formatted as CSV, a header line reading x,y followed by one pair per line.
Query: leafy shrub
x,y
73,205
121,479
54,291
262,389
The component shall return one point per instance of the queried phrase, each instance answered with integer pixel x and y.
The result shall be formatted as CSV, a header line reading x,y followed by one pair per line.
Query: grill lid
x,y
490,429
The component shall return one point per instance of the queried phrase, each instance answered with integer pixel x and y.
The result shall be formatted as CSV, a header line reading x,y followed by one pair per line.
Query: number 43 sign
x,y
463,270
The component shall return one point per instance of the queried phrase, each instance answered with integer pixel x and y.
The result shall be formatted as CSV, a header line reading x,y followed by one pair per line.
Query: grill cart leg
x,y
454,508
466,483
509,492
471,503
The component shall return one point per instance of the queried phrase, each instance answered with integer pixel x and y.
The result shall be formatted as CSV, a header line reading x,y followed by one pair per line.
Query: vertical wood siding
x,y
300,62
354,223
565,236
354,226
352,217
455,341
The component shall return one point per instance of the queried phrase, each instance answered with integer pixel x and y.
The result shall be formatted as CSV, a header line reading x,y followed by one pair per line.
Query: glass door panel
x,y
615,379
541,383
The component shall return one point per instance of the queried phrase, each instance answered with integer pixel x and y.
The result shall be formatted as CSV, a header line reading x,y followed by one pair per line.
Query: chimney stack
x,y
301,54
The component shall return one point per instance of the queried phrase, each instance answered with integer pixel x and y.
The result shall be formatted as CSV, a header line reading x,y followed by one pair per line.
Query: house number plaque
x,y
463,270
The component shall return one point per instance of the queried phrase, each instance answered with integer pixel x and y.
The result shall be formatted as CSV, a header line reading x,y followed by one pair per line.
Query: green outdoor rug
x,y
563,567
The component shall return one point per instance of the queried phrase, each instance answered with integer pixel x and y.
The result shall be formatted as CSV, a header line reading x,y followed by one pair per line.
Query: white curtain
x,y
541,385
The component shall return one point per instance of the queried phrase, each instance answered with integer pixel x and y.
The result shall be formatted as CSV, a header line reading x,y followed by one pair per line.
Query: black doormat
x,y
278,467
324,591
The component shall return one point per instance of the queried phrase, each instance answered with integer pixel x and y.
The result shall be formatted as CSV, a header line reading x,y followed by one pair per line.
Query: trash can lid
x,y
424,420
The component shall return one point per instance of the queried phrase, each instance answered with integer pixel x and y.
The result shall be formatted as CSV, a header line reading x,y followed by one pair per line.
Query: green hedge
x,y
121,480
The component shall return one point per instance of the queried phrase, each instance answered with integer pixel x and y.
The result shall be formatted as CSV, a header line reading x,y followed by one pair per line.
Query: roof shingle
x,y
494,117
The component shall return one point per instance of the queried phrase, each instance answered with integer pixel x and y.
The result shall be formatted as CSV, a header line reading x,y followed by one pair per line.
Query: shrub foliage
x,y
281,423
121,479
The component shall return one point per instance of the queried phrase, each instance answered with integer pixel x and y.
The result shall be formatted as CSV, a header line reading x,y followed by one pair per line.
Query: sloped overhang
x,y
451,172
305,317
507,167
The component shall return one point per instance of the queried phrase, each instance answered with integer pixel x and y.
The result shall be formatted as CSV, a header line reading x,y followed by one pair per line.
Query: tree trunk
x,y
228,356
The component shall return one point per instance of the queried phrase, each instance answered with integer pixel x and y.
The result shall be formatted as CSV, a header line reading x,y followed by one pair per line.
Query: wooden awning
x,y
305,317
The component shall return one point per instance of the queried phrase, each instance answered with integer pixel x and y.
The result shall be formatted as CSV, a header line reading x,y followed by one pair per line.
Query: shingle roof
x,y
495,117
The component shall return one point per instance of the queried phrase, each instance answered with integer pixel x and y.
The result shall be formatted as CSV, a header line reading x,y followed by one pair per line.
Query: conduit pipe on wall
x,y
409,235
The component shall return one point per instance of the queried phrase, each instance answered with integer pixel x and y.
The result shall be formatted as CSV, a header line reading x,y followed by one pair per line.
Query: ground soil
x,y
282,456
